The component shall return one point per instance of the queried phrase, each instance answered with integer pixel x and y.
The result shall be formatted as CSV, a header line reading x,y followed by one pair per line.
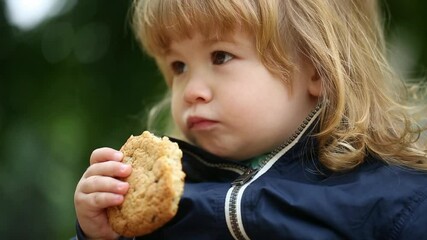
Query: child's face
x,y
227,102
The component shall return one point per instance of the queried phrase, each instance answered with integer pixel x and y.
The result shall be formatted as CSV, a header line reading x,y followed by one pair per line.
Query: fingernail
x,y
118,198
124,167
118,155
121,186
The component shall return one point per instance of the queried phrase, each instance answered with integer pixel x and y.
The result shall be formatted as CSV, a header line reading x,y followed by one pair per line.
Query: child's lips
x,y
200,123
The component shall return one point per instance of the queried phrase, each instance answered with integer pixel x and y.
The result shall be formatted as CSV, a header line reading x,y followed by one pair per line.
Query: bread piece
x,y
156,185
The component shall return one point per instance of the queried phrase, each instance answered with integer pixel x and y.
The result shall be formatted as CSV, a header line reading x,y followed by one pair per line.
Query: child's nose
x,y
197,90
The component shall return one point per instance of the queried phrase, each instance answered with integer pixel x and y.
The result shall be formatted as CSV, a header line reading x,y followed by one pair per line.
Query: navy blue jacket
x,y
294,197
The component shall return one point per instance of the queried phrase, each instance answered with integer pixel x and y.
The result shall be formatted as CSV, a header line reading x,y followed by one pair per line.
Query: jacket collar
x,y
197,161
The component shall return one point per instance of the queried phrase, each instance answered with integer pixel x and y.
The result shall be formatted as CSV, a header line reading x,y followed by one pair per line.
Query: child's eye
x,y
178,67
221,57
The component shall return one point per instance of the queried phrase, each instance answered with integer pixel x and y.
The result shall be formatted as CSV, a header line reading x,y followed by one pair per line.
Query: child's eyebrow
x,y
168,51
205,42
210,41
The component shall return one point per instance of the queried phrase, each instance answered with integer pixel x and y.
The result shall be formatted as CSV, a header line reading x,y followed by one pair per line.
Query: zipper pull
x,y
245,177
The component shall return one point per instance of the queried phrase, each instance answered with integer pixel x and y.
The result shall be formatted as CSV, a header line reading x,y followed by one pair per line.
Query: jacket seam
x,y
405,214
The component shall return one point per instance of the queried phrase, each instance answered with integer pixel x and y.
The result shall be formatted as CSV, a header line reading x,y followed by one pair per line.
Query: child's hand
x,y
98,189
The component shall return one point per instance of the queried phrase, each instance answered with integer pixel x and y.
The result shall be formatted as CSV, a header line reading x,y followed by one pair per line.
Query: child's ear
x,y
315,84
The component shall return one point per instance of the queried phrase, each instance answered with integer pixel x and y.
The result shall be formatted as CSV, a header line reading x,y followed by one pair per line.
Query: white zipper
x,y
233,211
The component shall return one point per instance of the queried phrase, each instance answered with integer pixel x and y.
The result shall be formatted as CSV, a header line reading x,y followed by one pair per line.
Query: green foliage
x,y
79,81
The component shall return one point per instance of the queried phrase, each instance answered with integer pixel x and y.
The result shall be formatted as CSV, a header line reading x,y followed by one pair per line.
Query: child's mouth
x,y
200,123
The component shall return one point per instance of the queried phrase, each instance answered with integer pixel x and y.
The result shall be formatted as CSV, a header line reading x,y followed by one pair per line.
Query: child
x,y
297,128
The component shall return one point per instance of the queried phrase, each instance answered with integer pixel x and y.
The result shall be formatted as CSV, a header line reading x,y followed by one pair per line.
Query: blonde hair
x,y
366,107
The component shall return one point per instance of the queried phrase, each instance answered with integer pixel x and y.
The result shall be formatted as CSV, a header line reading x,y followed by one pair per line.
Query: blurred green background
x,y
72,78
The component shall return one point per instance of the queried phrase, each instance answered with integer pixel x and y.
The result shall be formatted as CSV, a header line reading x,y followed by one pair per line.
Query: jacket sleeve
x,y
81,236
412,223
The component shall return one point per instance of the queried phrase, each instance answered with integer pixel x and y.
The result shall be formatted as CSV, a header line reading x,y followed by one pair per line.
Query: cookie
x,y
156,185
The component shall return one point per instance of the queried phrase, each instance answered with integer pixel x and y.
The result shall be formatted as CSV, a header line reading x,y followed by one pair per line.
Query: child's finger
x,y
105,154
110,168
99,200
103,184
